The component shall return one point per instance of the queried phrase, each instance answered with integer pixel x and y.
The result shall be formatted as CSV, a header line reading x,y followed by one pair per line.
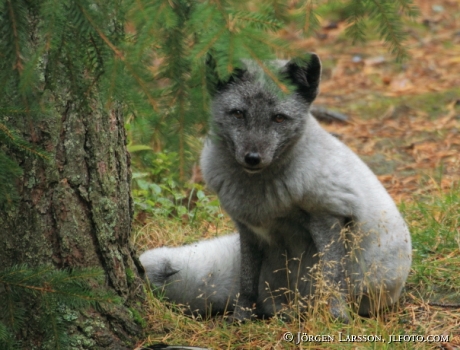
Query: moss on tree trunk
x,y
75,210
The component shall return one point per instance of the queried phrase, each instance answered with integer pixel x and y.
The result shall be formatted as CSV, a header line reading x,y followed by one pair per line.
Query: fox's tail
x,y
203,275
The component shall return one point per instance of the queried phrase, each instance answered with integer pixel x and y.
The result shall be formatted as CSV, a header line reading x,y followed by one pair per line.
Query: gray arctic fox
x,y
304,205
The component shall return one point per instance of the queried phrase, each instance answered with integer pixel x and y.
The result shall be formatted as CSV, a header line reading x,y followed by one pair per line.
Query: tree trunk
x,y
75,210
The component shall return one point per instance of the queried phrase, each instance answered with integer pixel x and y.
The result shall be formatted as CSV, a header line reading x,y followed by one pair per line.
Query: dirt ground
x,y
404,118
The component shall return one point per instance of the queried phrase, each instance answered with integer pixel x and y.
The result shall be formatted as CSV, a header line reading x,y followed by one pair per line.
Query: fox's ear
x,y
213,82
305,75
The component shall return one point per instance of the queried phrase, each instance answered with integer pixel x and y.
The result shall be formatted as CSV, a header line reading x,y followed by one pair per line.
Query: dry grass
x,y
435,227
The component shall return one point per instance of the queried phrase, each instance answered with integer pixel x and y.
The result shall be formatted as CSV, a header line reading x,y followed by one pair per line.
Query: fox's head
x,y
254,118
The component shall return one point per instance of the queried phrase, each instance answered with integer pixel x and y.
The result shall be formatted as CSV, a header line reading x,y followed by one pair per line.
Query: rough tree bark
x,y
75,210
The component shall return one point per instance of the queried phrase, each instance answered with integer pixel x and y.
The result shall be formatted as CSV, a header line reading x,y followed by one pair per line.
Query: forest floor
x,y
404,117
404,121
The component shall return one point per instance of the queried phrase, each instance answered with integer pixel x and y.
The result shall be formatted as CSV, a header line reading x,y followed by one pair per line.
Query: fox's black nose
x,y
252,158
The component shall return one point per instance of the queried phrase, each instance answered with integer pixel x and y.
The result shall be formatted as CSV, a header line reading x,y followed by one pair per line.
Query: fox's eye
x,y
279,118
238,114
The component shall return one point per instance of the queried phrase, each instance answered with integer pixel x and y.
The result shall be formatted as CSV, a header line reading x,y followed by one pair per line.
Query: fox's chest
x,y
277,229
254,203
265,207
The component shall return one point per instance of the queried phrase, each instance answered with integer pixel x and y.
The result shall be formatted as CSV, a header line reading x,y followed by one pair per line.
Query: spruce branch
x,y
210,42
311,20
121,56
101,34
261,22
357,29
267,71
390,27
408,8
275,45
18,65
48,289
19,143
6,131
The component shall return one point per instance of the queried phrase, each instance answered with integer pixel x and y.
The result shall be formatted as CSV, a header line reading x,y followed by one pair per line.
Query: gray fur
x,y
299,198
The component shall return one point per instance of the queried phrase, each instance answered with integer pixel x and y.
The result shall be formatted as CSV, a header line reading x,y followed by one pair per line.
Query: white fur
x,y
207,277
343,185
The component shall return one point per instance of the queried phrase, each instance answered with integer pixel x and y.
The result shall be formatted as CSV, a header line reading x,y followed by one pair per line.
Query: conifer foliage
x,y
54,292
157,68
62,62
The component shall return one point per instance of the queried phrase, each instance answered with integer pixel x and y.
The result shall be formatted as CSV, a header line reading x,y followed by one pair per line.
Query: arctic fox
x,y
302,202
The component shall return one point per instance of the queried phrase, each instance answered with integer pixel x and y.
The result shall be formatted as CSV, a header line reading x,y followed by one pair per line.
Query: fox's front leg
x,y
251,262
326,233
